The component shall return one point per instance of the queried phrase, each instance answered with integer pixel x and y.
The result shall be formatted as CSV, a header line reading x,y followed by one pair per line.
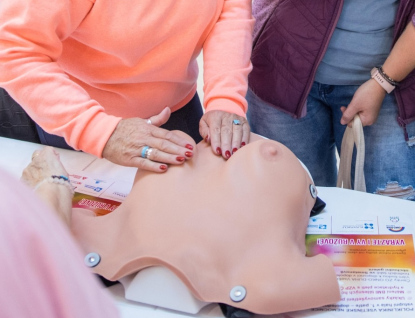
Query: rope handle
x,y
353,136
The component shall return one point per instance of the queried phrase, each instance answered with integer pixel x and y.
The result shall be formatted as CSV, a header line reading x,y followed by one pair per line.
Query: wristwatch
x,y
379,76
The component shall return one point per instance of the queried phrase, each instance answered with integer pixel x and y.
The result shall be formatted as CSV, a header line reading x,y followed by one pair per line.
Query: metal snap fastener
x,y
92,259
238,293
313,191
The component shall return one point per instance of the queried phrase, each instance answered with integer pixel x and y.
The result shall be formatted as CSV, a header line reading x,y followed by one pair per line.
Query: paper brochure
x,y
374,260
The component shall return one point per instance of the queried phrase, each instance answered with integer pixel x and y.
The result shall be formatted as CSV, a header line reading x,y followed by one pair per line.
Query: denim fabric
x,y
14,122
315,138
51,140
185,119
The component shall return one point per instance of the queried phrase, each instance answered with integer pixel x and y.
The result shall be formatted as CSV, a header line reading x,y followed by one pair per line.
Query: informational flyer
x,y
374,261
375,272
97,195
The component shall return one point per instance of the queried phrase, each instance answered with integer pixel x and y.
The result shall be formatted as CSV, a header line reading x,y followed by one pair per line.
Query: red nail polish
x,y
227,154
243,144
180,159
189,147
163,167
188,154
218,151
234,150
207,138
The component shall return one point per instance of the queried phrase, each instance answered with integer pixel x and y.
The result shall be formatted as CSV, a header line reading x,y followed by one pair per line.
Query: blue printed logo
x,y
96,189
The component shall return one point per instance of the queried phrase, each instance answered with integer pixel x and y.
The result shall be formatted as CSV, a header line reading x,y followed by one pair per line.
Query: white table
x,y
16,155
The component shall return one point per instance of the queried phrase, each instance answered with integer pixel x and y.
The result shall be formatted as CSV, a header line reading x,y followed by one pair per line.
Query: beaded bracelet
x,y
381,80
386,77
59,180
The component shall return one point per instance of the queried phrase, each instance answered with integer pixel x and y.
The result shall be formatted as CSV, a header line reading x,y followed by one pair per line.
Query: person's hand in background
x,y
43,175
366,102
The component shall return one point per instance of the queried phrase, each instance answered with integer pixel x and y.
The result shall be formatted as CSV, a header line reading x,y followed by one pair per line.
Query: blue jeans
x,y
315,138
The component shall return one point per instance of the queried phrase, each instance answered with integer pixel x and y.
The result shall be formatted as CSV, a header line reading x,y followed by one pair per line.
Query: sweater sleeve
x,y
31,36
226,56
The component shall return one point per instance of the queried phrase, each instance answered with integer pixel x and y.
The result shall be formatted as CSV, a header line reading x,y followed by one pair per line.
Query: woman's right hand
x,y
125,146
367,102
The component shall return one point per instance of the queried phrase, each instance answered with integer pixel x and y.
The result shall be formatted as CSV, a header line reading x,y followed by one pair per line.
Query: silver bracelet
x,y
59,180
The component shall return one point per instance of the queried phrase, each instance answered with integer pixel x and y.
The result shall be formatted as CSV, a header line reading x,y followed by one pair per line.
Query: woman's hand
x,y
367,101
226,132
127,145
45,163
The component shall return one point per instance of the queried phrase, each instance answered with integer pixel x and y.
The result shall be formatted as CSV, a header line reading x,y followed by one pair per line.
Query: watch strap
x,y
378,77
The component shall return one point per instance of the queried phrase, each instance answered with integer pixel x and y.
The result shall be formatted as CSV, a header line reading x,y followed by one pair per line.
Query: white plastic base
x,y
158,286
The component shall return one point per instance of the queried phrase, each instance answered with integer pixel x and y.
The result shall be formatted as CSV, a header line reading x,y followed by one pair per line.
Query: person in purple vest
x,y
318,63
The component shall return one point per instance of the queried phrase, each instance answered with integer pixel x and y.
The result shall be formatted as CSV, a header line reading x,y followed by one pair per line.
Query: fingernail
x,y
218,151
243,144
180,159
227,154
207,138
188,154
163,167
189,147
234,150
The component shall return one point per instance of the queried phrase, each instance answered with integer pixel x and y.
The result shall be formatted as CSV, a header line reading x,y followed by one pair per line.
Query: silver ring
x,y
149,121
144,151
148,153
236,122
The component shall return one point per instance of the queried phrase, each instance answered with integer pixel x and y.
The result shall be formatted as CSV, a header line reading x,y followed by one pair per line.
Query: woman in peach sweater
x,y
106,76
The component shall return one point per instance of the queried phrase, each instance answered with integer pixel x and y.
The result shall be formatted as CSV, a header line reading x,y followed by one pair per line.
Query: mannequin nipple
x,y
269,151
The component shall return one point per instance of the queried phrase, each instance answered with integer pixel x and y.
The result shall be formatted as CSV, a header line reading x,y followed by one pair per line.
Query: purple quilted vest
x,y
290,39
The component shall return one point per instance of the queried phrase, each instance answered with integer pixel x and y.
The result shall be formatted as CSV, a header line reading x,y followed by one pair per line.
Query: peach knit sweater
x,y
79,66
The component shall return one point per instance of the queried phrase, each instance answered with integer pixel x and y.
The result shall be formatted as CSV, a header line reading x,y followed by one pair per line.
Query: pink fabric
x,y
41,270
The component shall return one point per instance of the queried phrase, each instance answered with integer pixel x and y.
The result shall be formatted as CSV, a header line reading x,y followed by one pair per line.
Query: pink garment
x,y
79,66
42,273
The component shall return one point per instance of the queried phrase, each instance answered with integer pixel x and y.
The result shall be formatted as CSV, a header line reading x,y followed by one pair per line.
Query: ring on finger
x,y
236,122
148,153
149,121
144,152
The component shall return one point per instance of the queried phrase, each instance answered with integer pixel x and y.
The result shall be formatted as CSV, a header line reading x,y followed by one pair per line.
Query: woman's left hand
x,y
225,131
45,163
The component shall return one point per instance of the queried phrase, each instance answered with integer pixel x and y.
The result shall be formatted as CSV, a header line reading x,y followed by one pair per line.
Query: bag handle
x,y
352,136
